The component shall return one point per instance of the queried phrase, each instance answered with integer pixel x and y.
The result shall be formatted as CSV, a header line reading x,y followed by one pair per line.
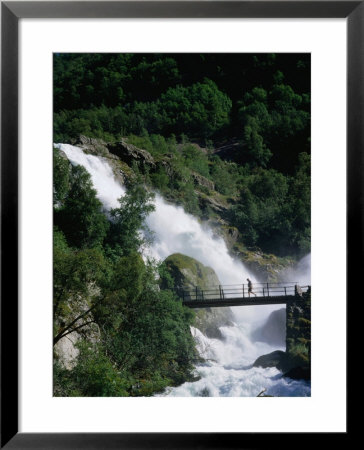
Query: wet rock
x,y
293,366
278,359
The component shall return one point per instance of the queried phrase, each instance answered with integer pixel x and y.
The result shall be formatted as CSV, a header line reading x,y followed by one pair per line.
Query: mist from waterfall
x,y
178,232
300,272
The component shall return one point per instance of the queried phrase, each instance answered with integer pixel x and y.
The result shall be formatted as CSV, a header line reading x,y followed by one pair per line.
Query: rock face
x,y
200,180
129,153
188,273
65,350
274,330
214,202
92,145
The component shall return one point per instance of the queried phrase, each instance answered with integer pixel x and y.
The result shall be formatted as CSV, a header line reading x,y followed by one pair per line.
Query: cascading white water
x,y
103,179
229,373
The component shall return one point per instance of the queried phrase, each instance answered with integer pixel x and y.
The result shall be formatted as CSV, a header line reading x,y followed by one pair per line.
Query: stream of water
x,y
228,369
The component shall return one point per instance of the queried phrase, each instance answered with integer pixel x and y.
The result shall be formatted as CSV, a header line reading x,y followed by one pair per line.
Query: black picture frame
x,y
11,12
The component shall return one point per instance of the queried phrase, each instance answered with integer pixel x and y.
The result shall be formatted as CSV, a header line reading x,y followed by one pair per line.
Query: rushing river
x,y
228,368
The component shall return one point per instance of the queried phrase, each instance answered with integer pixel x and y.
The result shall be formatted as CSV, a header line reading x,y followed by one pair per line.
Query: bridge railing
x,y
238,291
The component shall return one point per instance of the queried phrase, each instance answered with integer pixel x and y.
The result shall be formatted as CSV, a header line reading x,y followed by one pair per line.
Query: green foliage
x,y
195,159
299,331
74,272
274,123
61,178
153,334
155,144
201,108
93,376
127,220
145,342
271,215
265,98
91,225
160,179
227,176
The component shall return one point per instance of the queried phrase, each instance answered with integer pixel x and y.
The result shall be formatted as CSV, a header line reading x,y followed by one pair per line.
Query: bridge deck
x,y
244,301
239,295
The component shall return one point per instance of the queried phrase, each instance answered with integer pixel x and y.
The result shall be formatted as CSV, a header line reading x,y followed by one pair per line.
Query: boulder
x,y
188,273
293,366
277,359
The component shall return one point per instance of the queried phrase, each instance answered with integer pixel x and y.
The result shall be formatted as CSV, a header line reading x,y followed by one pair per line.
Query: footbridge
x,y
239,295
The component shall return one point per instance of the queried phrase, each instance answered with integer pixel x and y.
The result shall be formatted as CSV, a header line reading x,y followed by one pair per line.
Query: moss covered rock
x,y
188,273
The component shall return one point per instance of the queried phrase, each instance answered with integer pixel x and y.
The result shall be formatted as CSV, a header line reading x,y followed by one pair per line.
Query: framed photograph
x,y
178,178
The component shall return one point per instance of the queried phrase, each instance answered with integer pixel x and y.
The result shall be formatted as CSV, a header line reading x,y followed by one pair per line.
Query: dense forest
x,y
237,123
251,113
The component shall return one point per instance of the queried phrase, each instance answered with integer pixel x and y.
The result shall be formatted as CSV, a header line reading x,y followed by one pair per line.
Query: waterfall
x,y
178,232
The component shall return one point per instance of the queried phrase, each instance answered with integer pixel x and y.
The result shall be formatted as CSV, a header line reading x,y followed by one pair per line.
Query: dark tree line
x,y
263,100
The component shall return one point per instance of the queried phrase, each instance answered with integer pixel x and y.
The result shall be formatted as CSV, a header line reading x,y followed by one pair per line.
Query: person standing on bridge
x,y
250,288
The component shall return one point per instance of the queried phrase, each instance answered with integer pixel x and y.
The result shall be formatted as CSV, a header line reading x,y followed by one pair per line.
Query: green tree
x,y
128,220
61,179
81,218
150,332
77,277
274,123
201,108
